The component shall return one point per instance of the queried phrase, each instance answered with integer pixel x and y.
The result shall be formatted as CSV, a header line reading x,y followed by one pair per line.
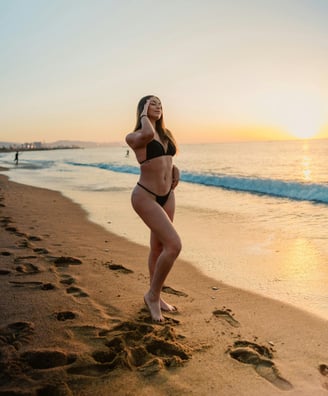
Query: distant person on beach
x,y
127,153
153,196
16,157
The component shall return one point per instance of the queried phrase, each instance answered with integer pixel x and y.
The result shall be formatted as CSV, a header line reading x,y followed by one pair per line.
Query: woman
x,y
153,196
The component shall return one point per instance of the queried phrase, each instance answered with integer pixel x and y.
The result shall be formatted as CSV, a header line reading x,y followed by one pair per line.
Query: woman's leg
x,y
164,233
156,249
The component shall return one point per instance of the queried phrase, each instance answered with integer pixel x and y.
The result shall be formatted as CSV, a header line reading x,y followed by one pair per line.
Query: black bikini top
x,y
156,149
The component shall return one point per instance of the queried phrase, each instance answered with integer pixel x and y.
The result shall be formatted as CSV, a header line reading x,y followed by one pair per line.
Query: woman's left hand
x,y
175,177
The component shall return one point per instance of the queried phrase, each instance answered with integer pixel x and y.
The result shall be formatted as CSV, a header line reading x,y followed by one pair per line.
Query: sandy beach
x,y
73,320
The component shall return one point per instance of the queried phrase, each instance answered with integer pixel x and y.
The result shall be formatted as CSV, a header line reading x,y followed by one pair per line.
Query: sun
x,y
301,113
305,129
302,122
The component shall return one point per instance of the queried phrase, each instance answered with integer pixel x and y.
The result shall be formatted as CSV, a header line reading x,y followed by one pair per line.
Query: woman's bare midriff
x,y
156,174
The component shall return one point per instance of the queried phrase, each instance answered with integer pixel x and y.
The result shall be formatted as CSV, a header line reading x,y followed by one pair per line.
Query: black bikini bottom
x,y
160,199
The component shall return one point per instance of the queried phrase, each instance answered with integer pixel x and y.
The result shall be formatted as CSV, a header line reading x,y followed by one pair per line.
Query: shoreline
x,y
272,263
73,321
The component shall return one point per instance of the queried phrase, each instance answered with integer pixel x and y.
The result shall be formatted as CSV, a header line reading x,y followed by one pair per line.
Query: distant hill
x,y
63,143
79,143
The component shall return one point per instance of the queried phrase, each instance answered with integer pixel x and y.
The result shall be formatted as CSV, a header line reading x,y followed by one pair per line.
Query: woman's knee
x,y
174,247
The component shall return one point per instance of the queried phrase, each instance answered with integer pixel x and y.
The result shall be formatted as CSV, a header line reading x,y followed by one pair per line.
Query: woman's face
x,y
155,108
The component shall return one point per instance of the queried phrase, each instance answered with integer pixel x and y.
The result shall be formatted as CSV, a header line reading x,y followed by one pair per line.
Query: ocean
x,y
253,214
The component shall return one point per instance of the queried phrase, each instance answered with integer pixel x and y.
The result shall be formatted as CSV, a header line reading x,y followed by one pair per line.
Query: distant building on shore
x,y
6,146
32,146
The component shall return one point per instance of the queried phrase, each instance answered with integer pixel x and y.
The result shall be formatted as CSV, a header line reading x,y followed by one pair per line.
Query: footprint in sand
x,y
65,315
24,284
14,230
48,286
46,359
133,346
92,370
24,244
323,369
34,285
76,292
118,268
66,261
26,373
41,250
16,333
11,229
5,221
260,358
20,258
4,271
146,317
67,279
170,290
226,315
27,268
102,361
34,238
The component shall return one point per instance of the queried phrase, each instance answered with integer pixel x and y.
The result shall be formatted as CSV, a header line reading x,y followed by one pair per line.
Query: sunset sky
x,y
224,69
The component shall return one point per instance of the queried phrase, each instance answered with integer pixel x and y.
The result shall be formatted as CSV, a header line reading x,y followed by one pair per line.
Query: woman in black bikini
x,y
153,196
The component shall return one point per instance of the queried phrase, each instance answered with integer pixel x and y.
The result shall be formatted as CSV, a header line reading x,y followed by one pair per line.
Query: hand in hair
x,y
145,109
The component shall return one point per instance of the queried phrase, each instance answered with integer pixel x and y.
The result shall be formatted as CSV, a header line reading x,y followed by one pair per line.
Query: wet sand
x,y
73,320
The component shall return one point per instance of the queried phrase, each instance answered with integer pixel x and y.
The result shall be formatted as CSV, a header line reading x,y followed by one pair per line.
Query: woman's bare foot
x,y
167,307
154,308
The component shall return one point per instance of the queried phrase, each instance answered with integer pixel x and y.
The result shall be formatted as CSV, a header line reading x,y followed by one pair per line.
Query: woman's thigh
x,y
156,218
169,208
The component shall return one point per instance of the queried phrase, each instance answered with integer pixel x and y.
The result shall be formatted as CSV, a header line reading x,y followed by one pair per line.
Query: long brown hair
x,y
163,132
